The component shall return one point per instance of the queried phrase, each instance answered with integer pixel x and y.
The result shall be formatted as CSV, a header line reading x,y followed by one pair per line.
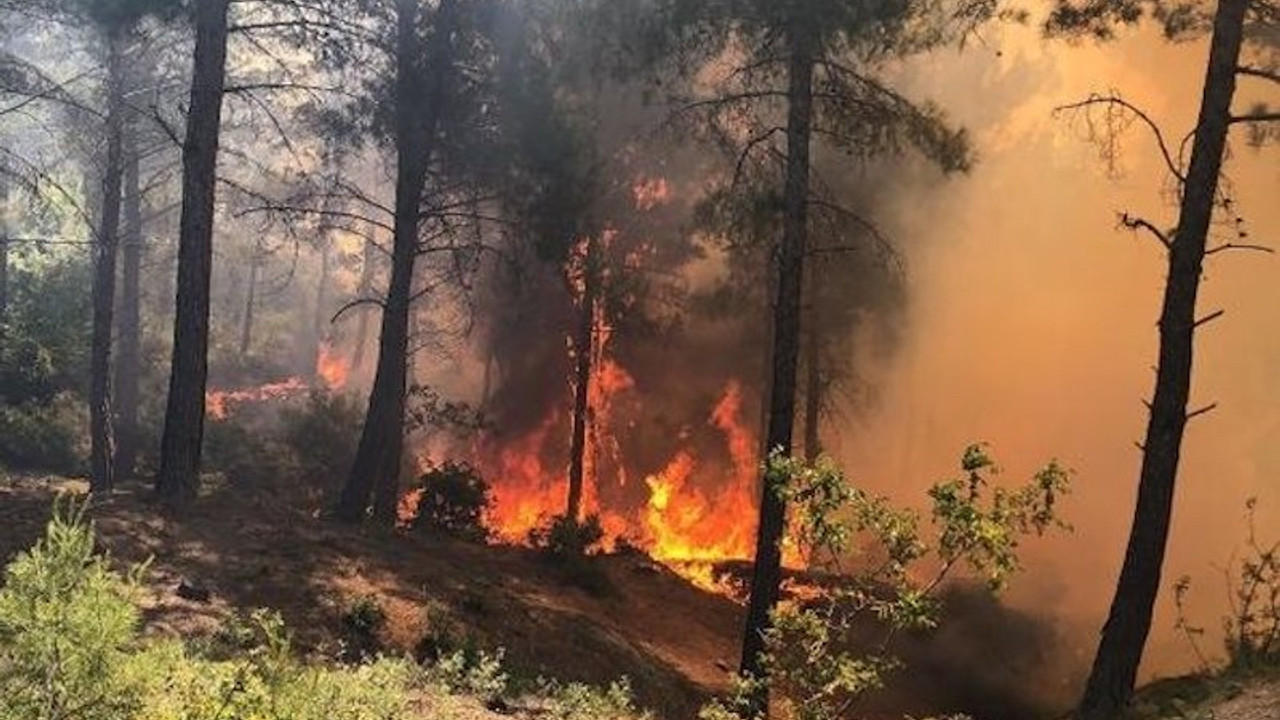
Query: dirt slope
x,y
643,622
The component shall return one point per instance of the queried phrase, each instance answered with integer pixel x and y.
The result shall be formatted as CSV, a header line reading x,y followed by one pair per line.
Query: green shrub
x,y
363,622
322,437
827,653
455,499
46,437
247,456
68,630
71,649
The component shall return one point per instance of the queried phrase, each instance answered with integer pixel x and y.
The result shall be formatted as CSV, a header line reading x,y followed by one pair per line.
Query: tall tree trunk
x,y
362,319
766,576
129,363
178,480
814,388
377,466
320,322
5,241
1124,636
250,303
102,439
584,344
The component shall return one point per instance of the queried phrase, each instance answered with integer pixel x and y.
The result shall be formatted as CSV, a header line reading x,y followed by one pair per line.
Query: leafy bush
x,y
247,456
1252,629
68,630
454,501
817,660
44,437
322,437
363,622
565,537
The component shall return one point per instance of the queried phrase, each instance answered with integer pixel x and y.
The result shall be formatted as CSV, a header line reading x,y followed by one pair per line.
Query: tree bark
x,y
129,363
362,319
377,466
5,241
814,388
320,322
584,343
102,439
1124,636
178,480
250,301
766,576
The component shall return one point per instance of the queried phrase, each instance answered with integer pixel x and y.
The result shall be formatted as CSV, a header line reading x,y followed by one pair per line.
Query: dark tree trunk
x,y
1124,636
129,363
250,302
814,387
178,480
377,466
102,439
767,573
583,345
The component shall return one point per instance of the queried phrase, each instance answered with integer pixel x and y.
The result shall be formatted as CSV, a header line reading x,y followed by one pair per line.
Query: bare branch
x,y
1137,223
1240,246
1257,72
1210,318
1202,411
1117,101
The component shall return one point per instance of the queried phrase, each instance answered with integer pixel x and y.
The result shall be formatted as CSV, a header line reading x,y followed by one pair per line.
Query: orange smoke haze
x,y
1032,325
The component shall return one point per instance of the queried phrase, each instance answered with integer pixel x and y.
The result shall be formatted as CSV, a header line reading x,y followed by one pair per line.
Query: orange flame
x,y
219,404
331,368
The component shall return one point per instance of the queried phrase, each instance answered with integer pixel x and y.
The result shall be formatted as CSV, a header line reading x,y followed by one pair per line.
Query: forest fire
x,y
332,372
332,369
220,404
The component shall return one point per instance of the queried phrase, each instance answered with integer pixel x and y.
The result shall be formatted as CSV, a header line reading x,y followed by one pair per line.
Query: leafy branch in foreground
x,y
833,645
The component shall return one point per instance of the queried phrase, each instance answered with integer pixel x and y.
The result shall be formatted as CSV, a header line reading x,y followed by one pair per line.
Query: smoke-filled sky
x,y
1031,323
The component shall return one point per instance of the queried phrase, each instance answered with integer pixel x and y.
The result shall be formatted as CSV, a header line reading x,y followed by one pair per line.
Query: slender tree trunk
x,y
814,387
584,343
767,573
250,303
1124,636
179,480
129,364
362,319
5,241
102,439
320,323
377,466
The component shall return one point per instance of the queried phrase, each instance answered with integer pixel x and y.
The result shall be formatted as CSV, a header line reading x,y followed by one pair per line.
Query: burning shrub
x,y
566,537
454,501
816,662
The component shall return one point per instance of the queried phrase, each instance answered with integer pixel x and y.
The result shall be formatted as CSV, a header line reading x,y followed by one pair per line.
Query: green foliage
x,y
826,654
47,437
46,337
454,501
71,649
246,456
322,438
576,701
1252,629
363,622
68,629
